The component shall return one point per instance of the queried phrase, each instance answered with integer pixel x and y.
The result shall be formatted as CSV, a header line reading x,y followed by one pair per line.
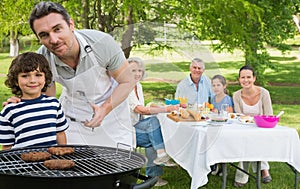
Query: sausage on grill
x,y
59,164
35,156
60,151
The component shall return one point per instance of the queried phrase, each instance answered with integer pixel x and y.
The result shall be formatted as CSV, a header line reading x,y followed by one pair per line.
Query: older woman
x,y
251,100
148,133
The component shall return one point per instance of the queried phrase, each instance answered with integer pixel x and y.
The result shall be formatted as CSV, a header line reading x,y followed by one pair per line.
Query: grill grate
x,y
89,161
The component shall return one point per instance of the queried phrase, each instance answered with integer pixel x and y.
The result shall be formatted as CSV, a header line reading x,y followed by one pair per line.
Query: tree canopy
x,y
248,25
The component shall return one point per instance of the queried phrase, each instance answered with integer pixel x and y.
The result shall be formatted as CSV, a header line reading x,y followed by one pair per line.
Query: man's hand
x,y
99,114
12,99
172,108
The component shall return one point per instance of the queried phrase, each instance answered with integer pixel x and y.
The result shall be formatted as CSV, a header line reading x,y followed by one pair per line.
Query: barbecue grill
x,y
95,167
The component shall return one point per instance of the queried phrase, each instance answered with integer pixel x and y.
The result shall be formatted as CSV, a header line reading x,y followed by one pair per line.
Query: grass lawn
x,y
166,69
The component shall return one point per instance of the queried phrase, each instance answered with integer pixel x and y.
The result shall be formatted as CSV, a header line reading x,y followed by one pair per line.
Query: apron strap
x,y
88,49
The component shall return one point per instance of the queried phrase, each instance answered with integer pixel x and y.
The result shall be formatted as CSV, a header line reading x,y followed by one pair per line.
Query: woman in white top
x,y
148,132
251,100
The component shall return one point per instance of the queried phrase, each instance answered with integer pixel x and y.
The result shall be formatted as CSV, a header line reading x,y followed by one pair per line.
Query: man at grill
x,y
148,131
94,74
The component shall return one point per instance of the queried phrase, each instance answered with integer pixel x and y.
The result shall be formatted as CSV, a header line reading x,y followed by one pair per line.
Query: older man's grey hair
x,y
199,61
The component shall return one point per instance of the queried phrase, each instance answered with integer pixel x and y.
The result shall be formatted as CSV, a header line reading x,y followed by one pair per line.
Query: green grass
x,y
283,178
163,73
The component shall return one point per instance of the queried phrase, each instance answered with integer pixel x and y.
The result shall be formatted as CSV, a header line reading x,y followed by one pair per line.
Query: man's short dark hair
x,y
45,8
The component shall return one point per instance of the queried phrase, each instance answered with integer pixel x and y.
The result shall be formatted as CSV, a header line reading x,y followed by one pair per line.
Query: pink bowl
x,y
266,121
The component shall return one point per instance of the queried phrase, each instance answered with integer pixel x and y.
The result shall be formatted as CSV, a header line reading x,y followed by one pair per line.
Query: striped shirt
x,y
32,122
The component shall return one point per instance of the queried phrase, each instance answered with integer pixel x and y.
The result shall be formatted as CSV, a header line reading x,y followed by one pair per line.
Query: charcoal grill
x,y
95,167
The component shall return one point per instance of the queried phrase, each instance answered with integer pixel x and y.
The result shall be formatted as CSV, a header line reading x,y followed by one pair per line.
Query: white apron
x,y
115,128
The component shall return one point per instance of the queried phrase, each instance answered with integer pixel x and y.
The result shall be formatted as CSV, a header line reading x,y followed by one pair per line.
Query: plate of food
x,y
246,120
218,119
234,115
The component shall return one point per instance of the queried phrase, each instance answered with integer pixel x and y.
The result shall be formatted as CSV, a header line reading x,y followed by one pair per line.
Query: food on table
x,y
208,105
183,102
174,113
195,114
219,119
35,156
206,111
59,164
235,115
216,117
184,113
60,151
232,115
246,119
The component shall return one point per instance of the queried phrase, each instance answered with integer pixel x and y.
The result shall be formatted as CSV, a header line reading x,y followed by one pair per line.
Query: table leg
x,y
258,174
296,180
296,176
224,175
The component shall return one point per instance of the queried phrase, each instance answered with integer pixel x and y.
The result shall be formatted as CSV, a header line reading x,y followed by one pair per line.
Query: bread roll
x,y
174,113
195,114
245,117
184,114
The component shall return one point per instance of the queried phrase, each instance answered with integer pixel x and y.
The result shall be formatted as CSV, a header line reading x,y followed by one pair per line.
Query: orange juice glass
x,y
183,101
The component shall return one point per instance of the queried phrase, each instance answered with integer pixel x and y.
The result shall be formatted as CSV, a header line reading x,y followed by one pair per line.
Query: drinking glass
x,y
224,110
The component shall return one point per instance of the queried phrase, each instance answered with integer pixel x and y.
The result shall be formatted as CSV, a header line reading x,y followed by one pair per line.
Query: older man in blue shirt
x,y
197,86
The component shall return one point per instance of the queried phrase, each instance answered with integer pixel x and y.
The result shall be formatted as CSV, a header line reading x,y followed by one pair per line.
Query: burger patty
x,y
59,164
35,156
60,151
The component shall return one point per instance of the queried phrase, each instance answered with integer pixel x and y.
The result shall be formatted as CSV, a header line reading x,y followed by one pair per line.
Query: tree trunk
x,y
85,14
14,44
127,36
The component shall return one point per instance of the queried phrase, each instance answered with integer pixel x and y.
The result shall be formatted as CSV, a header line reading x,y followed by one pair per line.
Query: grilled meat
x,y
59,164
35,156
60,151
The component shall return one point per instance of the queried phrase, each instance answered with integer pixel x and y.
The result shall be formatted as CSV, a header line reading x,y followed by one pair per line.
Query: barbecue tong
x,y
83,96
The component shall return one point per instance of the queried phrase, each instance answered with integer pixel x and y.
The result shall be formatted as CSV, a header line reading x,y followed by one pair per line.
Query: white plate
x,y
245,123
234,115
215,123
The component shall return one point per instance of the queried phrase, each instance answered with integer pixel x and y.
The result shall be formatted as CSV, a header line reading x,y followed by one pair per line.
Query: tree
x,y
123,19
114,16
248,25
13,17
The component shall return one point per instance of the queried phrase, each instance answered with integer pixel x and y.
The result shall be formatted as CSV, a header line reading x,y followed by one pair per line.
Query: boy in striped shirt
x,y
38,120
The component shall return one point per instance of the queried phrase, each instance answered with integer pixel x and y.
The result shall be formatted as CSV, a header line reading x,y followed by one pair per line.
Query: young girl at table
x,y
221,94
251,100
38,120
218,83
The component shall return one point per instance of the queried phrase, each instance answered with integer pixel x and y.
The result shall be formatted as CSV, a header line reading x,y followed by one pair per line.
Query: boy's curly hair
x,y
24,63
